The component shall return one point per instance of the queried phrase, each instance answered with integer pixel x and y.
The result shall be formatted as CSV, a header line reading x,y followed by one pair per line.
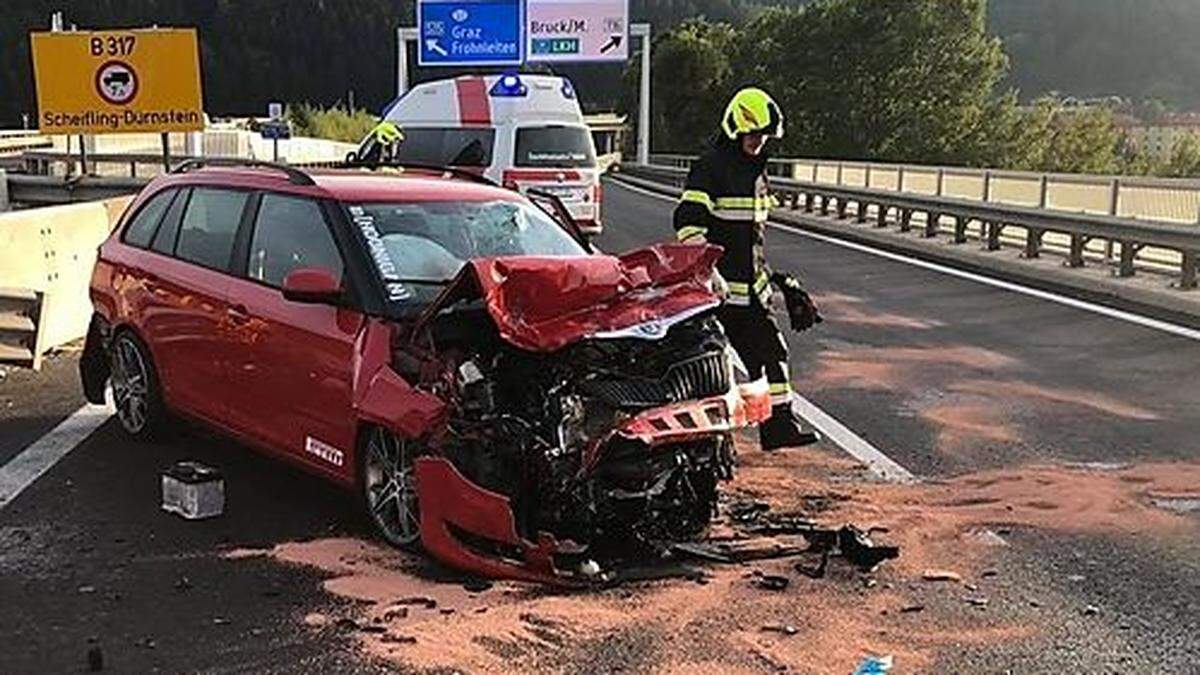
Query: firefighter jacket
x,y
726,202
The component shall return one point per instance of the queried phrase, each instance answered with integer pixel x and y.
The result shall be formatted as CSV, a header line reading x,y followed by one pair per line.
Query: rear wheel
x,y
135,387
389,487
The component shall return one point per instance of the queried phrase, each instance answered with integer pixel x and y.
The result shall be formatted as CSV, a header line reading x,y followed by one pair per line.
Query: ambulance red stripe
x,y
474,106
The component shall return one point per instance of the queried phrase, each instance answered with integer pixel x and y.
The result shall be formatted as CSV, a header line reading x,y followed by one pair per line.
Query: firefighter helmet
x,y
752,111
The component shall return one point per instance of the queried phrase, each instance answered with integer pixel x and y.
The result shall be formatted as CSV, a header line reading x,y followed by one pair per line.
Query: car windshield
x,y
419,246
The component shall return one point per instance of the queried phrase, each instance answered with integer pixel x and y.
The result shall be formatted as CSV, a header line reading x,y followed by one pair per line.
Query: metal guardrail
x,y
20,314
1127,234
1140,197
49,190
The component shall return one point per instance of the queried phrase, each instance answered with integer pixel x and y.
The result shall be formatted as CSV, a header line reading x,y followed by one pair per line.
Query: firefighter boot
x,y
785,430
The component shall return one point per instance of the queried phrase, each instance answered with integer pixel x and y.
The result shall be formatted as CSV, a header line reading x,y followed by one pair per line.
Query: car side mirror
x,y
315,285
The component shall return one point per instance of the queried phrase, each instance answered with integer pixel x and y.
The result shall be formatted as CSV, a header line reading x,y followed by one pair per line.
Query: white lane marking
x,y
21,471
1110,312
878,463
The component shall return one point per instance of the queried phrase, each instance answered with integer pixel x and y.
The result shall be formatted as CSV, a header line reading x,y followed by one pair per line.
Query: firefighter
x,y
380,146
726,202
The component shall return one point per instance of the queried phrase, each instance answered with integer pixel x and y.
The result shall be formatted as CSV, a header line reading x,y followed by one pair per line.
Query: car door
x,y
293,361
184,320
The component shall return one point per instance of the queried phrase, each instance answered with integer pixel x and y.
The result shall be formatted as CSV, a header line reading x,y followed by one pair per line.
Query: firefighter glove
x,y
800,306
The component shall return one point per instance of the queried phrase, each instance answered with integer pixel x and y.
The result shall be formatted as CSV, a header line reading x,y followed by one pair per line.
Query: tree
x,y
1185,158
691,70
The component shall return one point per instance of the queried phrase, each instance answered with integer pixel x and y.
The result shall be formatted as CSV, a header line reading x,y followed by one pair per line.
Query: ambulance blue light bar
x,y
509,85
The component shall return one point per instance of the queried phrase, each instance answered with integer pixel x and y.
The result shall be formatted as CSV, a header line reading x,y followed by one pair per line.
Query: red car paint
x,y
543,304
299,381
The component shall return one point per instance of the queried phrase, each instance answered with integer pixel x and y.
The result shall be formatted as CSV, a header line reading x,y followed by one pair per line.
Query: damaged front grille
x,y
698,377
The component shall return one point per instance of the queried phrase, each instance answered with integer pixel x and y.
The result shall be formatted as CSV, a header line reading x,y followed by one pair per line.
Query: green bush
x,y
335,124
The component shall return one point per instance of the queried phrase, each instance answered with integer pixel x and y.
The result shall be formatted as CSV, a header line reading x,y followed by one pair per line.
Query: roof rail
x,y
419,166
295,176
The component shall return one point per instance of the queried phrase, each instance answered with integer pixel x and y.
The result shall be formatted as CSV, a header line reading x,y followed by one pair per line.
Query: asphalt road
x,y
946,376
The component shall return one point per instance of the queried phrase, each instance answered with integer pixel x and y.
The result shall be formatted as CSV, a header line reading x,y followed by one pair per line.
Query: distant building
x,y
1158,138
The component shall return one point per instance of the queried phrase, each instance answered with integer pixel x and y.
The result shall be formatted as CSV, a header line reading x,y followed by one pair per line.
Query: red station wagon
x,y
452,352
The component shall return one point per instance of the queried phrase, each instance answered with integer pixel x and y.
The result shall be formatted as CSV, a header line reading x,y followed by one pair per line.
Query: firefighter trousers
x,y
755,336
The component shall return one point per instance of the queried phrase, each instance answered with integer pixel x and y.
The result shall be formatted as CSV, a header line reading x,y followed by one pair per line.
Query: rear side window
x,y
210,226
168,231
141,229
555,147
446,146
290,233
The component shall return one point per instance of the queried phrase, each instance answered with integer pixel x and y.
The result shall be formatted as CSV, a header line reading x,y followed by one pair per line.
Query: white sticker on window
x,y
383,261
324,451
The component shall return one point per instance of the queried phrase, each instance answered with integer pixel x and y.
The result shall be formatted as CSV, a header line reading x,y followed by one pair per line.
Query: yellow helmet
x,y
752,111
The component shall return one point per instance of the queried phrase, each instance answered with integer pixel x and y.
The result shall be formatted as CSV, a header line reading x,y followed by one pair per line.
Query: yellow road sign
x,y
96,82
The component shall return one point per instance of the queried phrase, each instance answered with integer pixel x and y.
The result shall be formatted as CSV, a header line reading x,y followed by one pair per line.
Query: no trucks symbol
x,y
117,83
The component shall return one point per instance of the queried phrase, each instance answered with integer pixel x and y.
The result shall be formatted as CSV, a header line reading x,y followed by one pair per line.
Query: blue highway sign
x,y
470,33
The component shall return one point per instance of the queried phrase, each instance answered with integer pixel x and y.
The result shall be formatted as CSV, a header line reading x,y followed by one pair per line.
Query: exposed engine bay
x,y
585,410
540,428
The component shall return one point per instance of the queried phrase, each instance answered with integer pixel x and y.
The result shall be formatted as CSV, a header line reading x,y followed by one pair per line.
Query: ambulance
x,y
521,131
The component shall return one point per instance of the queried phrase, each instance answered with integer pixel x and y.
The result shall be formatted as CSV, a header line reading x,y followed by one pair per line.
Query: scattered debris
x,y
183,584
772,582
193,491
423,600
148,643
399,639
1035,603
976,601
870,582
910,609
477,585
786,629
373,628
988,538
393,614
988,574
1075,578
95,660
220,621
941,575
87,589
1091,610
346,624
1177,503
874,665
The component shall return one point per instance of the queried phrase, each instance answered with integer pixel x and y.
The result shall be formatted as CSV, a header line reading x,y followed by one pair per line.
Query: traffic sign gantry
x,y
95,82
470,33
577,30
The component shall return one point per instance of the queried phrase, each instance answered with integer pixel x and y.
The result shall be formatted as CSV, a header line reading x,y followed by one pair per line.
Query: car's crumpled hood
x,y
545,303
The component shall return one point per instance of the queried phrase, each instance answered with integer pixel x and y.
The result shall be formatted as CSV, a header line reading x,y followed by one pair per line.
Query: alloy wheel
x,y
130,385
391,490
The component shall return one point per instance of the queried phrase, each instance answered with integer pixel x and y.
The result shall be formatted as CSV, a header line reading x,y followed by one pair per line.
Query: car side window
x,y
144,224
290,233
210,227
168,231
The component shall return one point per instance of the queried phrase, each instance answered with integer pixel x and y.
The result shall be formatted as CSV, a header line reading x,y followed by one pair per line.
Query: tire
x,y
388,489
137,394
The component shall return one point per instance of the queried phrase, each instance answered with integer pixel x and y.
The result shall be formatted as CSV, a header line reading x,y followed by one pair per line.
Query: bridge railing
x,y
1144,198
1176,247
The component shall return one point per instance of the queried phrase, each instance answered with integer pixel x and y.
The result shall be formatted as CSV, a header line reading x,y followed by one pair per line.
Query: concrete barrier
x,y
50,252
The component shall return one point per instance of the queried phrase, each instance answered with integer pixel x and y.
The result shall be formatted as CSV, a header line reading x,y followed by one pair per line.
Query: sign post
x,y
470,33
97,82
559,31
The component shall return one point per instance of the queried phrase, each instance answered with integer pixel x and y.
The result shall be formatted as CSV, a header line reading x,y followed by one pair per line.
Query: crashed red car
x,y
452,352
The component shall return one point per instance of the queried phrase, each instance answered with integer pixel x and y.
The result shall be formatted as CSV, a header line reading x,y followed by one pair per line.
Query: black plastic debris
x,y
95,660
771,582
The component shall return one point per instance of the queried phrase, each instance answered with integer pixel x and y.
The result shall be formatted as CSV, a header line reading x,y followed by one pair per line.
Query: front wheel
x,y
389,487
135,387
